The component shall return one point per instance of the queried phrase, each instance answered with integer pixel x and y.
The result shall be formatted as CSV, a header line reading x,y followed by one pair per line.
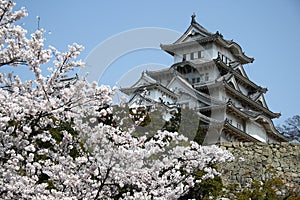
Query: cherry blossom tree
x,y
55,144
291,128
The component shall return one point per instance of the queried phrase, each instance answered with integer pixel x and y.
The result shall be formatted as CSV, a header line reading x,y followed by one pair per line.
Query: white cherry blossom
x,y
55,146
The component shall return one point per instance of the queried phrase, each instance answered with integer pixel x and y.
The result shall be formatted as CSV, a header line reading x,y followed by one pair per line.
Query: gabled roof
x,y
253,104
144,80
194,30
233,70
139,100
232,130
240,69
256,116
190,90
199,95
197,34
271,130
157,74
261,99
232,81
158,86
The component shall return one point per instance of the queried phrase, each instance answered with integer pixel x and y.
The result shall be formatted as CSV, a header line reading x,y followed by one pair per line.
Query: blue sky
x,y
267,30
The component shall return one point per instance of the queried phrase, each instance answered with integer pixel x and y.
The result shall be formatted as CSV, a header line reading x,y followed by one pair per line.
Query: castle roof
x,y
197,35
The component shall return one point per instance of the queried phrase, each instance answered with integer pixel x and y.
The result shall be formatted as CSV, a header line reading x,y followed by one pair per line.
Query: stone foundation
x,y
260,161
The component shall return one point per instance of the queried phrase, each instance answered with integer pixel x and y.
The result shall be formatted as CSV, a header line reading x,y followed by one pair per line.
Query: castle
x,y
208,77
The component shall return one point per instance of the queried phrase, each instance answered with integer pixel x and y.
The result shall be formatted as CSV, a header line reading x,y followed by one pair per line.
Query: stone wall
x,y
261,162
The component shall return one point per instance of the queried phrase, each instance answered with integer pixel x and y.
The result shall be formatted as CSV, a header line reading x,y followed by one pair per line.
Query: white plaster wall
x,y
235,121
177,58
215,73
235,102
216,48
256,130
203,71
193,48
188,101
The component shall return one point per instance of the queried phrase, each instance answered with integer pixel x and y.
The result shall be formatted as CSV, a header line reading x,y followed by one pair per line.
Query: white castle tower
x,y
208,77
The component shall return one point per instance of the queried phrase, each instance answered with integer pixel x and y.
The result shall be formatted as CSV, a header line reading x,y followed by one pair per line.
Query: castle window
x,y
198,79
192,56
184,57
193,80
200,54
224,58
239,126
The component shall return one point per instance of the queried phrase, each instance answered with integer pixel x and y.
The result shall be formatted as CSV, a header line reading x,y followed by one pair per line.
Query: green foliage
x,y
183,121
44,178
206,189
200,135
262,191
173,124
74,153
140,113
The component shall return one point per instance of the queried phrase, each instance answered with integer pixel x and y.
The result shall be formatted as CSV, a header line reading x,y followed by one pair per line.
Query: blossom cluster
x,y
55,144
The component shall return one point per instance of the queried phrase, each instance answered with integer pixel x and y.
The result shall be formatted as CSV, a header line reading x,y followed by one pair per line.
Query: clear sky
x,y
267,30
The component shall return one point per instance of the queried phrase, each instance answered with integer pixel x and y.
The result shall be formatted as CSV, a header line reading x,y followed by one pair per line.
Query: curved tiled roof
x,y
239,133
251,102
208,37
240,77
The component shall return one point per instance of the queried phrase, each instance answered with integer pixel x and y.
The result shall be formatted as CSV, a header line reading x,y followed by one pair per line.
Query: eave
x,y
240,77
129,91
232,109
254,104
232,46
270,128
211,108
241,135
